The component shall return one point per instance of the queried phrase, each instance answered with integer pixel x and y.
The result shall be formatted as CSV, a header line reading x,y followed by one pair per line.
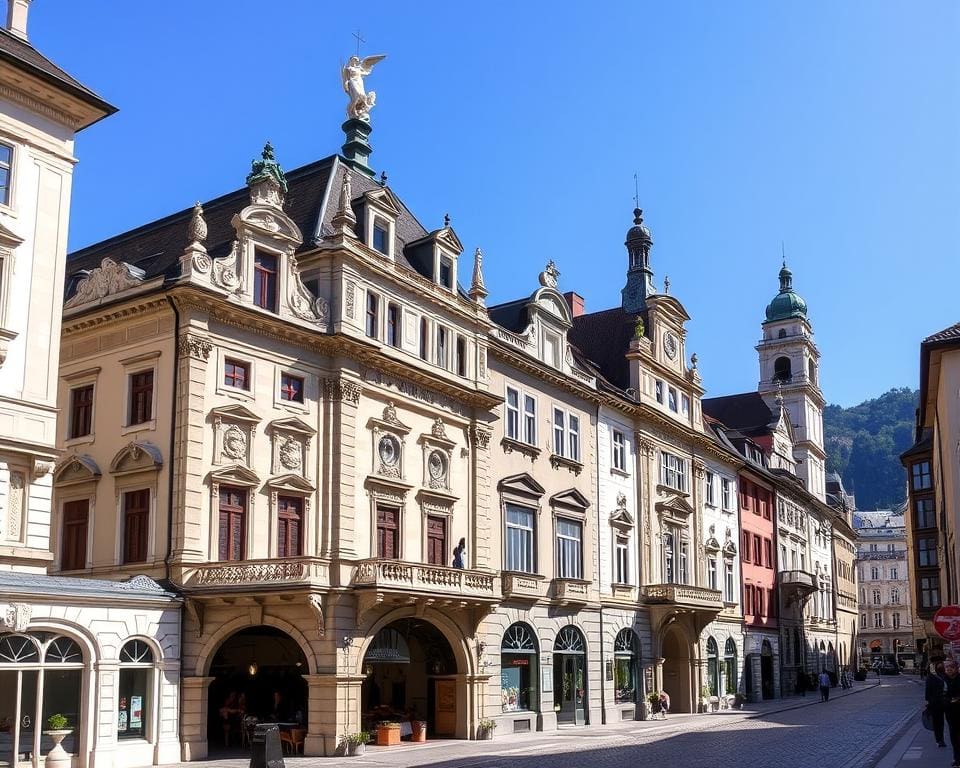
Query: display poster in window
x,y
122,715
136,712
510,688
546,679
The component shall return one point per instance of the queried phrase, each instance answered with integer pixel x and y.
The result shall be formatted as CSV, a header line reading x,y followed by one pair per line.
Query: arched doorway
x,y
570,676
519,664
676,670
626,667
713,667
766,670
831,664
410,674
730,667
257,674
40,675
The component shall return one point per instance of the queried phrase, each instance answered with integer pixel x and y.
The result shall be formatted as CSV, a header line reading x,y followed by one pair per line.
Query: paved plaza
x,y
855,729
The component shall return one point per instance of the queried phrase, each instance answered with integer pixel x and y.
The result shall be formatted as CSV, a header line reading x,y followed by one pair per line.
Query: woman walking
x,y
933,694
952,706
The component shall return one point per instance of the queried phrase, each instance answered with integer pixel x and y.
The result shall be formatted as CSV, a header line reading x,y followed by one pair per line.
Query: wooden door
x,y
437,541
388,530
445,716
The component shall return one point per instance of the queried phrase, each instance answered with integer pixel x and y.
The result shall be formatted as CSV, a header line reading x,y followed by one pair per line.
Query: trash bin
x,y
265,751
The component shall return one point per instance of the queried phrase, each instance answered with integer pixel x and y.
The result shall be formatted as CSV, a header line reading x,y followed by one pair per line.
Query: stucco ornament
x,y
291,453
16,616
437,468
352,75
109,278
234,443
550,276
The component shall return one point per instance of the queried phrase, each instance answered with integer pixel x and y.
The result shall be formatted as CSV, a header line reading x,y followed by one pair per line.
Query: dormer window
x,y
265,281
381,237
446,273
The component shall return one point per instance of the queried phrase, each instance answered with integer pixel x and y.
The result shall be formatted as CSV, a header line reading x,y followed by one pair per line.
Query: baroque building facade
x,y
886,615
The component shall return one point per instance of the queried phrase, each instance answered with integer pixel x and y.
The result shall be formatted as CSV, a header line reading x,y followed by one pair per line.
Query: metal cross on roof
x,y
359,40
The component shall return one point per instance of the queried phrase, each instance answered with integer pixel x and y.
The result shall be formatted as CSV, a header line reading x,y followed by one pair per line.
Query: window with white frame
x,y
876,597
874,573
621,573
710,488
566,434
513,413
669,571
569,549
672,399
878,620
619,451
658,391
529,420
520,553
684,570
895,596
729,595
6,173
896,620
893,574
727,488
673,471
684,405
712,573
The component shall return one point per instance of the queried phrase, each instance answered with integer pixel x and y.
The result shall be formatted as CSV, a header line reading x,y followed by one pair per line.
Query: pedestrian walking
x,y
664,704
951,709
824,681
934,696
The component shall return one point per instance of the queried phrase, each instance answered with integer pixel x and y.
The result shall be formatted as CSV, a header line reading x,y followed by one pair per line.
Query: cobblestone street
x,y
853,730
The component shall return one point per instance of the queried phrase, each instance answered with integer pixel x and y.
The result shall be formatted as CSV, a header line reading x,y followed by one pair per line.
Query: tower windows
x,y
782,371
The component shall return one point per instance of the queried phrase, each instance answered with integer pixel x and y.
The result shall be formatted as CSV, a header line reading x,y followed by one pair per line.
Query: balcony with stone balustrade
x,y
684,596
257,575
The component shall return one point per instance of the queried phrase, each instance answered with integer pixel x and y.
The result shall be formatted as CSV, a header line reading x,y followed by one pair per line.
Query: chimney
x,y
17,11
575,302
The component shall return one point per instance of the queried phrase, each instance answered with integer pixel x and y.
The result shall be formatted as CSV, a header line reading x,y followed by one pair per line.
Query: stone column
x,y
189,541
167,748
193,717
339,449
484,507
106,685
333,709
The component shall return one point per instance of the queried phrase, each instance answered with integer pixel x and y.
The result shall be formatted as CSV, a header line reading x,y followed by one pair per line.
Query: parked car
x,y
889,668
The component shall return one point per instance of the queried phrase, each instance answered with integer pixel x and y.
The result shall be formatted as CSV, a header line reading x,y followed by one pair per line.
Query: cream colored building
x,y
104,654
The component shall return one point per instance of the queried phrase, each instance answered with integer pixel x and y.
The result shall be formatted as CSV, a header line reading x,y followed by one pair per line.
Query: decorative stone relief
x,y
341,390
107,279
225,271
316,603
438,430
290,453
388,453
303,303
41,468
190,345
16,616
438,466
390,414
15,506
480,436
234,443
351,299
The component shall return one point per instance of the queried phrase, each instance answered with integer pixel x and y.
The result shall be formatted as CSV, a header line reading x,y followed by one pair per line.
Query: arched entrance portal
x,y
676,670
258,673
766,670
411,674
570,676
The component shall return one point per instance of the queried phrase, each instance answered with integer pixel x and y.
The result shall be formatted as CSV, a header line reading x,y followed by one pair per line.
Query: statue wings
x,y
368,63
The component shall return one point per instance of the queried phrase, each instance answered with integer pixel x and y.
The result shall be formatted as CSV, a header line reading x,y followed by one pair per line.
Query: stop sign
x,y
947,622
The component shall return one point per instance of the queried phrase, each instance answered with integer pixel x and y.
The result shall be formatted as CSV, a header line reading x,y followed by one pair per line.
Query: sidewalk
x,y
916,749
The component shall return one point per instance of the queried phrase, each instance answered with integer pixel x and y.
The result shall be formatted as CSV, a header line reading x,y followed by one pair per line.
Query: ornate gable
x,y
75,469
290,483
136,457
106,280
234,428
521,485
570,499
290,440
234,475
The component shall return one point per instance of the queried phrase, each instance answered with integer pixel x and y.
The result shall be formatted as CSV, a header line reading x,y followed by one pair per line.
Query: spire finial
x,y
197,231
266,179
383,178
446,219
779,398
666,284
478,291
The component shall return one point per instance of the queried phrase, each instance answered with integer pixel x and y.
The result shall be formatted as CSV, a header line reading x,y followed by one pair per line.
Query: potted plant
x,y
705,703
486,728
57,730
388,734
357,743
419,730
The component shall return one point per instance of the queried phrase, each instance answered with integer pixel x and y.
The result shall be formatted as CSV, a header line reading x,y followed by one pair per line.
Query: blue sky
x,y
832,127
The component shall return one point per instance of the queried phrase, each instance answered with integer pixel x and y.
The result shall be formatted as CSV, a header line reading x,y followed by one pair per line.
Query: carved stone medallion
x,y
291,453
234,443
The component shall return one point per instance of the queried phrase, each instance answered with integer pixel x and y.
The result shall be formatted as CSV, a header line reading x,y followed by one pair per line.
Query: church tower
x,y
789,367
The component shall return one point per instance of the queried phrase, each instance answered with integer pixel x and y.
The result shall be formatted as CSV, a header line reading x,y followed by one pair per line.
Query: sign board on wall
x,y
947,622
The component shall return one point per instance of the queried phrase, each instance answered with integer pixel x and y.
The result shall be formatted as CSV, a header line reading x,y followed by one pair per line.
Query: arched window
x,y
44,672
519,662
713,667
730,666
136,682
782,369
782,333
812,371
626,664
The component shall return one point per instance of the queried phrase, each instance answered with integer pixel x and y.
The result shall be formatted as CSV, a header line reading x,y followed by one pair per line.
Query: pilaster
x,y
483,515
193,717
341,397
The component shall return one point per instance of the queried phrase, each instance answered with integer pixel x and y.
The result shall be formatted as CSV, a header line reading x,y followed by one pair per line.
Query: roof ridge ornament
x,y
478,291
197,230
267,182
344,220
351,75
549,278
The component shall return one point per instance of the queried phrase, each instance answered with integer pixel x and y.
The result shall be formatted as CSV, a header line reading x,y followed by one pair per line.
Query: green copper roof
x,y
786,304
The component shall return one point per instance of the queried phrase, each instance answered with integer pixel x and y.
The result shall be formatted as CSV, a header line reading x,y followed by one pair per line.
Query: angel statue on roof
x,y
352,75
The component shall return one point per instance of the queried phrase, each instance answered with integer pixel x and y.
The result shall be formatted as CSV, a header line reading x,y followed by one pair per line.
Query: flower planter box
x,y
485,734
419,730
356,749
388,735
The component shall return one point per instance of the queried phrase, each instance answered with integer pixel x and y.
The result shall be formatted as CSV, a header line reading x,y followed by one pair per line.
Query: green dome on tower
x,y
787,303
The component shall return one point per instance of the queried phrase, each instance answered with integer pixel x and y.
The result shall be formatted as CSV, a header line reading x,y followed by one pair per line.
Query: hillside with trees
x,y
864,443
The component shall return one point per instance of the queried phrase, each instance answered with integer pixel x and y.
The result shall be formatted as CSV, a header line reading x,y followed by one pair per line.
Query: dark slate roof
x,y
136,588
946,335
512,315
21,53
923,445
604,338
311,194
747,413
